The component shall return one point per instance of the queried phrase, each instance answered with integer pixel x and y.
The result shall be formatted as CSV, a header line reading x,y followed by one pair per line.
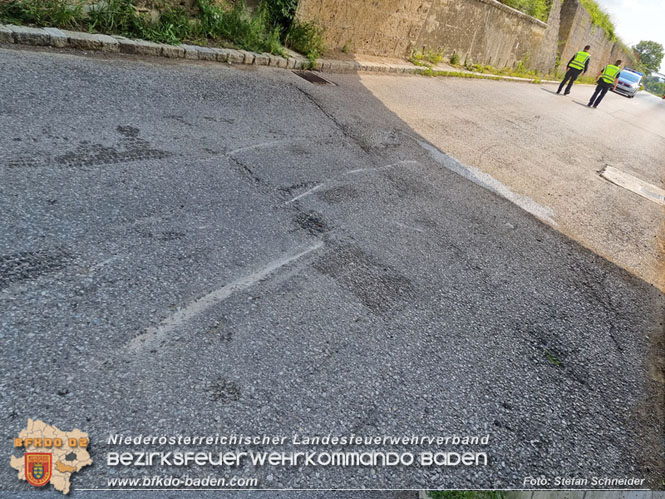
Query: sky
x,y
637,20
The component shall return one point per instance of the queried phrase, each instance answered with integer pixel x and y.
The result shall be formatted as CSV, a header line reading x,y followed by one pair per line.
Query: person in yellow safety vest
x,y
608,78
576,66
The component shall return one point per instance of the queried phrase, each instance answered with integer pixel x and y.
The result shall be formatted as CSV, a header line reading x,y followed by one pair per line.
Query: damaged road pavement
x,y
194,249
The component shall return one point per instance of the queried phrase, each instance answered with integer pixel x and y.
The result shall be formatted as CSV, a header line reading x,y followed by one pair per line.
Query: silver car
x,y
629,82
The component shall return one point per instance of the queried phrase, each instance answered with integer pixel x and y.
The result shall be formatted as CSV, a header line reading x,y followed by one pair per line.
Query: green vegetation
x,y
58,13
263,30
306,38
520,71
599,18
552,358
461,74
654,86
540,9
587,79
650,54
426,57
454,59
281,12
465,494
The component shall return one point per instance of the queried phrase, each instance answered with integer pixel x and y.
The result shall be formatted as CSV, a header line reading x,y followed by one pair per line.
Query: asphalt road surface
x,y
192,249
551,148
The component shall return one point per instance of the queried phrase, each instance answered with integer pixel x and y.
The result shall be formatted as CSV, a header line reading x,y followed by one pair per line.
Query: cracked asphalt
x,y
198,249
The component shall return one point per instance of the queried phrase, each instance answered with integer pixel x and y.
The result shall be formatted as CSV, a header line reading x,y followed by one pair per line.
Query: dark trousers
x,y
571,76
601,90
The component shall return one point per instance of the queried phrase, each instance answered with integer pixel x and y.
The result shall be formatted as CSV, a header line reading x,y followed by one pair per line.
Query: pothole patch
x,y
634,184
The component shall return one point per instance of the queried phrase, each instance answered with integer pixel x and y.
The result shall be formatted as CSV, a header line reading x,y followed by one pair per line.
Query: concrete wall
x,y
577,30
488,32
480,31
376,27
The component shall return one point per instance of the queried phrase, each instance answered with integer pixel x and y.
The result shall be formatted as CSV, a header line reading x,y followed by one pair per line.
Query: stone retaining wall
x,y
577,30
479,31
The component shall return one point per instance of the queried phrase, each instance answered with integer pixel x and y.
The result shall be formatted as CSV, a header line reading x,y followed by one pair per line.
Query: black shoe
x,y
566,93
589,104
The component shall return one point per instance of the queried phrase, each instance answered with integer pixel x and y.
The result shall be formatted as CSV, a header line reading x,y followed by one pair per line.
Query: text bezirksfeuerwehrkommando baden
x,y
370,456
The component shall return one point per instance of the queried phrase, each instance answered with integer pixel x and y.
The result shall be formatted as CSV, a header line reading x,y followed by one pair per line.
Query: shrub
x,y
260,31
173,26
426,57
116,16
306,38
599,18
280,12
59,13
540,9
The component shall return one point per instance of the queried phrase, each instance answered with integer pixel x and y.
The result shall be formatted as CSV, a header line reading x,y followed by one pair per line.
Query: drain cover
x,y
634,184
313,77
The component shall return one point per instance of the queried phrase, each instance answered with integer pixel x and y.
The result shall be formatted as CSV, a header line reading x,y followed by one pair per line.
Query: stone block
x,y
88,41
191,51
30,36
207,54
223,55
173,51
144,47
249,56
261,60
6,34
58,37
236,57
125,45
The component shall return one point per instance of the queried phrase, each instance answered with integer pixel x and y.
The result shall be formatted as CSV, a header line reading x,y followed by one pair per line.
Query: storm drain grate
x,y
314,78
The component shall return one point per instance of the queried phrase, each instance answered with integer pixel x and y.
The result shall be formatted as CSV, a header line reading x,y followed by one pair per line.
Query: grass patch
x,y
306,38
210,24
551,358
587,80
600,18
520,71
461,74
60,13
540,9
426,57
654,86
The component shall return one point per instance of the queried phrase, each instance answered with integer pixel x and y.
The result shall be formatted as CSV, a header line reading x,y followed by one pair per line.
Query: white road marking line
x,y
307,193
257,146
634,184
485,180
317,187
408,227
192,309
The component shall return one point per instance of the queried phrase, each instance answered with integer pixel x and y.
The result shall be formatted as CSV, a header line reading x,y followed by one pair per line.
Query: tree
x,y
650,54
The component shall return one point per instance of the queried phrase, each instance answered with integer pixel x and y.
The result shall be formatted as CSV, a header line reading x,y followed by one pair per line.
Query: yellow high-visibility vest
x,y
579,61
610,72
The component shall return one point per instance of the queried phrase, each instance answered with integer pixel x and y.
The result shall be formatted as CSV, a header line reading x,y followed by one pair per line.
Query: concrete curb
x,y
54,37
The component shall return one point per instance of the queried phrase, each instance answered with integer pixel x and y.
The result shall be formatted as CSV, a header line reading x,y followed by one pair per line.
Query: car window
x,y
632,77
